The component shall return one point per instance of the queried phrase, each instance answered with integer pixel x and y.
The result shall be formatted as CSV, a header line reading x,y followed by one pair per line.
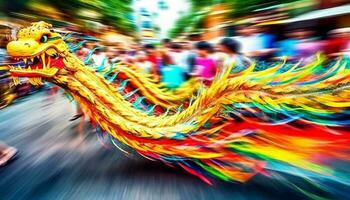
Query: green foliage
x,y
180,25
114,12
189,22
117,13
240,8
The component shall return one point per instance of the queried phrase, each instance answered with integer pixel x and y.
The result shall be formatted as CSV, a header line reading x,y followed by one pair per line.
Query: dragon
x,y
293,119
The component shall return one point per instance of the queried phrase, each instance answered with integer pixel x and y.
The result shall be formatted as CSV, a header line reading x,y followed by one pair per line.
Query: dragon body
x,y
129,77
293,120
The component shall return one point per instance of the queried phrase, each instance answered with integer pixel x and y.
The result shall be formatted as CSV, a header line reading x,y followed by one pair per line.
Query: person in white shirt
x,y
176,54
230,55
250,41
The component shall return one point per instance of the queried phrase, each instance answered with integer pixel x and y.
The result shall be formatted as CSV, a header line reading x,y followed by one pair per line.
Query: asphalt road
x,y
54,162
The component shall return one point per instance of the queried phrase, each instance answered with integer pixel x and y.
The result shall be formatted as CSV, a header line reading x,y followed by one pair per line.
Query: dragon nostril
x,y
27,44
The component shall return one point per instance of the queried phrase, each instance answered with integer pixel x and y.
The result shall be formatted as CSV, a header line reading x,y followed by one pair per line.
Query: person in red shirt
x,y
153,58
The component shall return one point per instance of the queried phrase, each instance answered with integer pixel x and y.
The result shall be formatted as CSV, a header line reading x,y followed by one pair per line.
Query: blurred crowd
x,y
174,61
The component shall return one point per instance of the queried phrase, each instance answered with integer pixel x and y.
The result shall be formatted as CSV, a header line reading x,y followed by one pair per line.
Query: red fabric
x,y
335,45
153,59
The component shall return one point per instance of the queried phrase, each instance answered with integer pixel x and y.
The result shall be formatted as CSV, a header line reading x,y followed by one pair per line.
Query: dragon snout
x,y
22,48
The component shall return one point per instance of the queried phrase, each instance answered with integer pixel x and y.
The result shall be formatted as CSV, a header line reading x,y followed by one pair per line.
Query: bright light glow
x,y
165,19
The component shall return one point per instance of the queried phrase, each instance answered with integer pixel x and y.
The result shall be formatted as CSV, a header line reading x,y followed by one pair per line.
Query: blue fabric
x,y
268,40
288,47
172,76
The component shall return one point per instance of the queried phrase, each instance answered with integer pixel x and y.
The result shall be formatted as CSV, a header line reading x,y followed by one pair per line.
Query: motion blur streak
x,y
54,163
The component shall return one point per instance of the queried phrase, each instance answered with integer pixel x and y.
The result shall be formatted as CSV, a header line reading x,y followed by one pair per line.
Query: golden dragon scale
x,y
288,118
130,79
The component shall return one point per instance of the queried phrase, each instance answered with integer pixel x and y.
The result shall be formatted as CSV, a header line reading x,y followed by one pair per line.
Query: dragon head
x,y
42,51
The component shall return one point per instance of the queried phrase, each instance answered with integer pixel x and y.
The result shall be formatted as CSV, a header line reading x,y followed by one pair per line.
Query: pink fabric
x,y
206,68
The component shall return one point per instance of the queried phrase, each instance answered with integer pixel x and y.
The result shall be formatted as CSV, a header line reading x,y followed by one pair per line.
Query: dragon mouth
x,y
44,64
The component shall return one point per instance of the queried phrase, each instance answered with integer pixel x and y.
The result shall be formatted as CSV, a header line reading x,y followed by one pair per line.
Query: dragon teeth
x,y
43,60
35,81
32,81
39,81
49,63
25,60
16,80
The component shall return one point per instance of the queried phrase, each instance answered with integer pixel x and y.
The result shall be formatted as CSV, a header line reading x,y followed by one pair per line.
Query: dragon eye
x,y
44,38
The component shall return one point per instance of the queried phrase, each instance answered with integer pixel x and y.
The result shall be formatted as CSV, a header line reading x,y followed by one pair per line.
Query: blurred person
x,y
83,51
152,57
177,71
250,41
179,57
308,45
187,59
6,153
175,53
205,64
190,46
111,54
231,50
219,58
288,46
183,54
166,43
142,62
268,43
189,54
122,56
134,49
172,75
165,48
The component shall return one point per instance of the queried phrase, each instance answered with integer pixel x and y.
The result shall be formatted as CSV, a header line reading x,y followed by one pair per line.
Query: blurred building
x,y
146,26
